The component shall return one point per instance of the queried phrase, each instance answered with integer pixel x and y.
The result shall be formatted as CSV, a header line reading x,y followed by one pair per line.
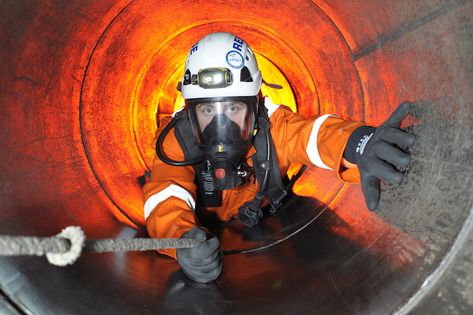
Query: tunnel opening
x,y
85,84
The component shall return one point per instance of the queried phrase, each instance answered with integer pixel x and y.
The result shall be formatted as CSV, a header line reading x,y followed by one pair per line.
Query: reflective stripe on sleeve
x,y
312,150
270,106
170,191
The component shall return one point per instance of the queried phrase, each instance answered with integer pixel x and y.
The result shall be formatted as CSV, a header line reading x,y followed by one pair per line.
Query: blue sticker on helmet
x,y
235,59
238,43
194,48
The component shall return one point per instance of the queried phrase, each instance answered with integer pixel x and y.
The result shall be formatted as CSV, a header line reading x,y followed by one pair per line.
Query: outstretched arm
x,y
354,151
318,141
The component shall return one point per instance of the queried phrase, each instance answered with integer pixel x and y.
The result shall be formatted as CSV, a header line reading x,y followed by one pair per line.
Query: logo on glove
x,y
360,147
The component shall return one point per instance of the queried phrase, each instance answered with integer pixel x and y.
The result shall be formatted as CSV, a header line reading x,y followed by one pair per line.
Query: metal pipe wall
x,y
84,84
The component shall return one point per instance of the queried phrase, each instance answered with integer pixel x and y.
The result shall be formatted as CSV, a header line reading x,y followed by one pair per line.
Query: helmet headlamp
x,y
214,78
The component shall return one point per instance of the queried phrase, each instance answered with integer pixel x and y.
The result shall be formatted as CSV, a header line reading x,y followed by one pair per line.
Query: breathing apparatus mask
x,y
220,86
224,130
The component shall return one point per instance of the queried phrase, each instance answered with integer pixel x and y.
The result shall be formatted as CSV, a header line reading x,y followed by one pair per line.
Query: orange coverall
x,y
171,192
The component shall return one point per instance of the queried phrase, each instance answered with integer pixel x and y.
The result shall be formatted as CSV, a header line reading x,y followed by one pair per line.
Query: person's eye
x,y
233,109
207,110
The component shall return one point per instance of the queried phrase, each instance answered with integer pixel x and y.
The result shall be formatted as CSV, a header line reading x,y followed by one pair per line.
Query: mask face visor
x,y
222,122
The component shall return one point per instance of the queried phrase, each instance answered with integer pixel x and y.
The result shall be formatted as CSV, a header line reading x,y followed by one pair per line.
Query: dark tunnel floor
x,y
315,270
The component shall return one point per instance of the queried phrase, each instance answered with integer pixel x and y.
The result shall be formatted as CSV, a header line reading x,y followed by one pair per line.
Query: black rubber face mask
x,y
224,148
223,128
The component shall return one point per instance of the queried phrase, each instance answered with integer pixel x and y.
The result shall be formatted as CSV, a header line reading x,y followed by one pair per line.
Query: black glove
x,y
377,151
202,263
250,213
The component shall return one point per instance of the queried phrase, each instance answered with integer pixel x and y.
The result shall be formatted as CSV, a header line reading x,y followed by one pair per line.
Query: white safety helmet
x,y
220,65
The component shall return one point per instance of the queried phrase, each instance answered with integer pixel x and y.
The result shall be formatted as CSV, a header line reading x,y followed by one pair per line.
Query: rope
x,y
138,244
64,248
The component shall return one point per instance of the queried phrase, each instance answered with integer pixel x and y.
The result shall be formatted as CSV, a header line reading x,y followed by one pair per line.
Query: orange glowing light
x,y
132,77
121,76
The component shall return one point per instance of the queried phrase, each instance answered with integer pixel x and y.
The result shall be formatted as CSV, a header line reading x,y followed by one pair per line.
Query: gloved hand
x,y
250,213
202,263
377,151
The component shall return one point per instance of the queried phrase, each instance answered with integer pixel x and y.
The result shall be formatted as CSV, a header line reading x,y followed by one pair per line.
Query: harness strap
x,y
208,196
275,189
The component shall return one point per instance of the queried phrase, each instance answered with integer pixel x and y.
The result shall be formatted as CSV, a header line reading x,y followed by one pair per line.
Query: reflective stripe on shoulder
x,y
312,149
177,111
270,106
170,191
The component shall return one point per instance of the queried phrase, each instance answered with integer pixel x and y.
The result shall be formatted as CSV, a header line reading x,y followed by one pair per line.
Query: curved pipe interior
x,y
84,85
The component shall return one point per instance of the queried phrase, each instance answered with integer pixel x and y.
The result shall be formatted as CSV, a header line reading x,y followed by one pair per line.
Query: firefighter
x,y
227,149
